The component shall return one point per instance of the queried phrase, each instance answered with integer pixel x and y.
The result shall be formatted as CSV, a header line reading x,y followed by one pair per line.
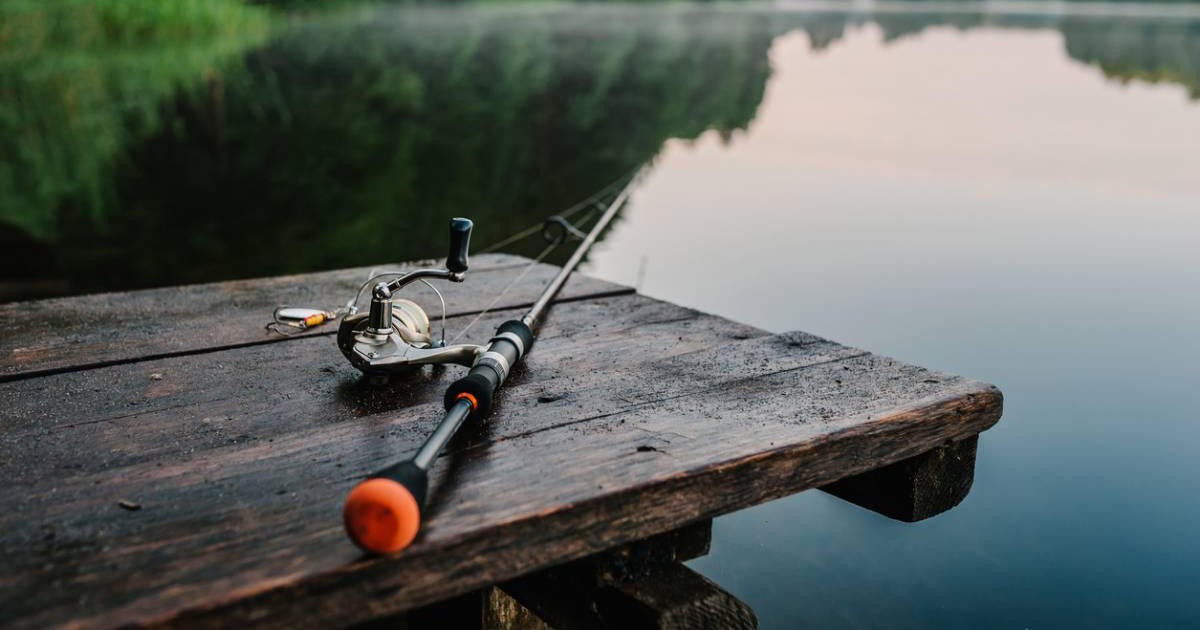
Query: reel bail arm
x,y
455,271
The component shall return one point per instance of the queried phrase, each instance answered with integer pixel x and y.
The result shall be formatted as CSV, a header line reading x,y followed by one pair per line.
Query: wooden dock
x,y
169,462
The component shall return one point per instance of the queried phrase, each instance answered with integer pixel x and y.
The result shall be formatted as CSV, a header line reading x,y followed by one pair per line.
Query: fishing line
x,y
289,321
499,296
547,227
591,200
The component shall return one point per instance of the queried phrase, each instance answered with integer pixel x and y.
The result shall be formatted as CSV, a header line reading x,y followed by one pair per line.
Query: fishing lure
x,y
299,318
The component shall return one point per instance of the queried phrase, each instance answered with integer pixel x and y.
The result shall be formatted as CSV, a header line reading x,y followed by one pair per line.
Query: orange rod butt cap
x,y
381,516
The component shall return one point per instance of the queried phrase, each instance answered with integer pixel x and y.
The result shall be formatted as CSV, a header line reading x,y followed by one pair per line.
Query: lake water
x,y
1010,194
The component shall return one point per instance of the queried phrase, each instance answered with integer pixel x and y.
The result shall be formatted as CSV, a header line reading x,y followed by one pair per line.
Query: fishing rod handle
x,y
383,513
511,343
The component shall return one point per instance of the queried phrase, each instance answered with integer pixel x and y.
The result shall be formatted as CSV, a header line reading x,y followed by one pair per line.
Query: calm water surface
x,y
1012,196
979,202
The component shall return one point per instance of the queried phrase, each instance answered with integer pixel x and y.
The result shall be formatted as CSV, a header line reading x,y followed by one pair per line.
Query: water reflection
x,y
1011,197
979,202
348,138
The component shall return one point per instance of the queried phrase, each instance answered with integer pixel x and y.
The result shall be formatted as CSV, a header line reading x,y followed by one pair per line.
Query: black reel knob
x,y
460,242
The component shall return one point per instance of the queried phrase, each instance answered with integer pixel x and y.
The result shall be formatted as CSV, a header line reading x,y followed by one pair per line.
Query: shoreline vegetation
x,y
125,121
81,80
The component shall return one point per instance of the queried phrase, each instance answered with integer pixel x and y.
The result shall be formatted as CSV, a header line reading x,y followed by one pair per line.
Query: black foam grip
x,y
480,383
409,475
484,379
518,328
460,242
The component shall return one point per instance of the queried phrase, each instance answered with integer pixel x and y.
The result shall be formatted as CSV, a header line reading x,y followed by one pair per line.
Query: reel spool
x,y
412,323
409,321
410,326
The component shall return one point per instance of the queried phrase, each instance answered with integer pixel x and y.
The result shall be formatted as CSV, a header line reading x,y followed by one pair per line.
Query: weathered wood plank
x,y
916,488
48,336
241,519
94,420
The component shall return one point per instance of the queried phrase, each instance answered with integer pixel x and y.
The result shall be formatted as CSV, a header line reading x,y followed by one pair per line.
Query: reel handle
x,y
460,242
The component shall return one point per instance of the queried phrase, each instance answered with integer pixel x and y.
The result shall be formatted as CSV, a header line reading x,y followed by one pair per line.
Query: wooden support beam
x,y
641,558
674,597
916,488
502,612
639,585
494,609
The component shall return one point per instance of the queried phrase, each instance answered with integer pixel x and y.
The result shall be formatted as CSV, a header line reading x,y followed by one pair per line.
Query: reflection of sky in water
x,y
980,203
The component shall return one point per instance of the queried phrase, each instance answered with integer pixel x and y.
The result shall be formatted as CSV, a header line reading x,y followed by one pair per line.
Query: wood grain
x,y
630,418
49,336
103,419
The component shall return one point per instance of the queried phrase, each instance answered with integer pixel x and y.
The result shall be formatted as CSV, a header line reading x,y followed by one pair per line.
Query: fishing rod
x,y
383,513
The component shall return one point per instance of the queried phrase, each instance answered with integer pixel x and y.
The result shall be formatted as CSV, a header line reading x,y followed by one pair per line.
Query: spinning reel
x,y
395,336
